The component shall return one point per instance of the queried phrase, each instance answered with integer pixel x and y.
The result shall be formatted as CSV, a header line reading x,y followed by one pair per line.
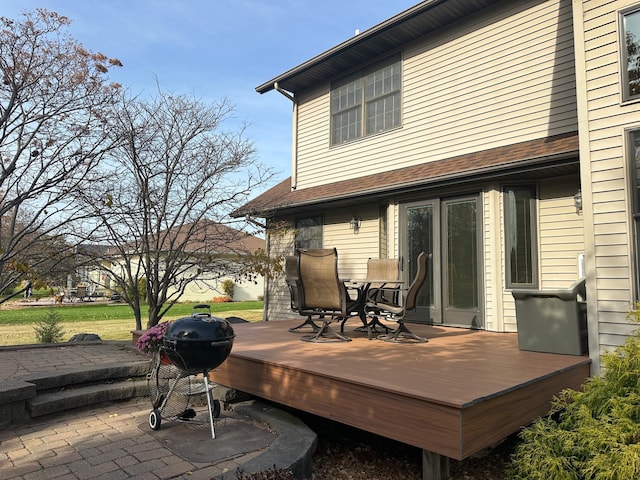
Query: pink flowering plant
x,y
151,340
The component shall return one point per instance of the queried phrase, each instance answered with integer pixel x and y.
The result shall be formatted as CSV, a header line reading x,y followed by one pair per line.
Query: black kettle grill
x,y
193,345
198,343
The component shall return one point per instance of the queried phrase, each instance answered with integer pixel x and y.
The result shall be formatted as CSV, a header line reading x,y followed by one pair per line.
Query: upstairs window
x,y
630,22
366,103
309,232
520,232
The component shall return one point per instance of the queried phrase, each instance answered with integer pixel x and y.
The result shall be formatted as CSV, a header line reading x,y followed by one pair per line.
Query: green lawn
x,y
109,321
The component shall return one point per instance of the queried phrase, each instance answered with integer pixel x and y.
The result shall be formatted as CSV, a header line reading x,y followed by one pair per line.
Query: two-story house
x,y
499,136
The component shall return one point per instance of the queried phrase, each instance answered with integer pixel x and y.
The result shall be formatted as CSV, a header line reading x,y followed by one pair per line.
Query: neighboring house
x,y
500,136
213,254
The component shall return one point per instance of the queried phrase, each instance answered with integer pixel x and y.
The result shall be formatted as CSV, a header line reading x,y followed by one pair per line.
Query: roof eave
x,y
363,37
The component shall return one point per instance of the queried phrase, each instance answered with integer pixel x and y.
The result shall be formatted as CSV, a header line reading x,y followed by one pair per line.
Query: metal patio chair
x,y
322,294
82,294
379,304
291,275
381,269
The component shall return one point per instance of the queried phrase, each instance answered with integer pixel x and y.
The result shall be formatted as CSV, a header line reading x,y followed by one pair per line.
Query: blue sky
x,y
218,48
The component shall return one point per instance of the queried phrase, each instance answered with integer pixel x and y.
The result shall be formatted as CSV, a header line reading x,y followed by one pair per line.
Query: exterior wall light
x,y
354,224
577,201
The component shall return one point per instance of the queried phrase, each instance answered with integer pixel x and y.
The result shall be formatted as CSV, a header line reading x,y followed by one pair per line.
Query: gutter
x,y
294,135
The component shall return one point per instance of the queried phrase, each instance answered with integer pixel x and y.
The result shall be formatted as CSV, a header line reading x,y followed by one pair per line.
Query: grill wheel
x,y
155,420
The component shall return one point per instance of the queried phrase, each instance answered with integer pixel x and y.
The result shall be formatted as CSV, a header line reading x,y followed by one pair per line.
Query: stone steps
x,y
75,397
35,395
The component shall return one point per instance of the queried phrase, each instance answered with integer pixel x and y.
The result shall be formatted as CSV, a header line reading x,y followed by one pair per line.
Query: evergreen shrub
x,y
589,434
49,330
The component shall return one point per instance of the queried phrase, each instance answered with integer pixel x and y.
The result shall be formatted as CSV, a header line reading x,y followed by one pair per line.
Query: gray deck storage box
x,y
552,321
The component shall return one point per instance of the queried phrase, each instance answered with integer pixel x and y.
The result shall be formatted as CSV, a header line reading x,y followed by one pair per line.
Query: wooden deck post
x,y
434,466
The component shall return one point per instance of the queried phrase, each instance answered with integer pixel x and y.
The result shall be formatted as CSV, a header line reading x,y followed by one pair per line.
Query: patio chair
x,y
378,304
82,294
323,294
291,275
378,269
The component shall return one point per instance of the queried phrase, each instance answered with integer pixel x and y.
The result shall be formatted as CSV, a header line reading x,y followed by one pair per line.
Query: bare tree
x,y
54,105
164,208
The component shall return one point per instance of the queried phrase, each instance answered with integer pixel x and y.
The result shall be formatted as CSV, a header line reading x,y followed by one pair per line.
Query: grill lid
x,y
198,343
199,328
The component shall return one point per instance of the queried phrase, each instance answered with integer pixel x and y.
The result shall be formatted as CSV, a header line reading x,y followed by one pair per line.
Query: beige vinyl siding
x,y
353,248
394,229
459,91
492,257
603,121
561,233
465,90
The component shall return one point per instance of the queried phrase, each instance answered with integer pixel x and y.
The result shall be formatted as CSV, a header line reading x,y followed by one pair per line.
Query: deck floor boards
x,y
460,392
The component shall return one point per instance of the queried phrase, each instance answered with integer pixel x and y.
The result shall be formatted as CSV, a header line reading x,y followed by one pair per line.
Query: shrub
x,y
142,290
273,473
227,287
49,330
592,434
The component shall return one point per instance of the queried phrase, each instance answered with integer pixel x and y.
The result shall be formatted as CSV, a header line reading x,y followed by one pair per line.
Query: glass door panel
x,y
418,221
461,262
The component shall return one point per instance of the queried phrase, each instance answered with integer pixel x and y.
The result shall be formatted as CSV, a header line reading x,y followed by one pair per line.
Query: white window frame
x,y
624,17
367,102
633,149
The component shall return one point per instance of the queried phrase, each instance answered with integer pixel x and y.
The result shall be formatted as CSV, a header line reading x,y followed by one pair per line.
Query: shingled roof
x,y
550,152
204,236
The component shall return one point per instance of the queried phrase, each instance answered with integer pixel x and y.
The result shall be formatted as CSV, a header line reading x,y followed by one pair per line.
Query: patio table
x,y
363,286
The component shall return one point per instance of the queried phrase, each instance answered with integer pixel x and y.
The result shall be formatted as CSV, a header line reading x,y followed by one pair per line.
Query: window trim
x,y
634,211
360,105
533,228
622,42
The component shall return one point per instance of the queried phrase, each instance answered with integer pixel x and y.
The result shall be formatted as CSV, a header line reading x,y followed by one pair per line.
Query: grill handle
x,y
172,342
197,310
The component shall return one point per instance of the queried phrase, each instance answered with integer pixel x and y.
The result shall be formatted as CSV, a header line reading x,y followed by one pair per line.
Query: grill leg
x,y
206,387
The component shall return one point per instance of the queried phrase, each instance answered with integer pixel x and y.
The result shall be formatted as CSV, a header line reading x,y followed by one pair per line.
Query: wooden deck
x,y
462,391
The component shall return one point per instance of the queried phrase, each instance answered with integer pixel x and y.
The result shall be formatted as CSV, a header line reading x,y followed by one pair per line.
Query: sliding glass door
x,y
449,229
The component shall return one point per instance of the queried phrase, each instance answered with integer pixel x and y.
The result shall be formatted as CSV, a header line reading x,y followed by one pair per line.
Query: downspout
x,y
294,184
294,136
267,286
